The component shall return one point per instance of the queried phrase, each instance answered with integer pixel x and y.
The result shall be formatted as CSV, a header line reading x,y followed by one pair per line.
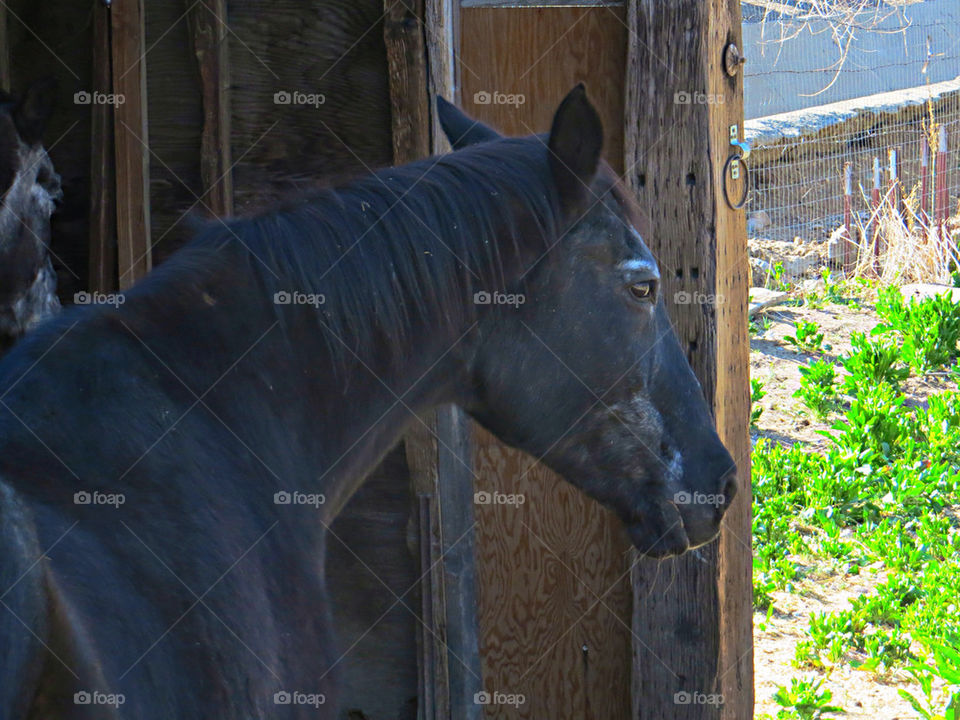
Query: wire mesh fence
x,y
858,147
798,183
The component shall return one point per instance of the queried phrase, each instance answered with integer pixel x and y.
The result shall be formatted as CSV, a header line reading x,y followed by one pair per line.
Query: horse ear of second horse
x,y
32,112
460,129
576,141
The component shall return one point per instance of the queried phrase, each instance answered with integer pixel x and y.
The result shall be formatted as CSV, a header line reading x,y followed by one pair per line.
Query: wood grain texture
x,y
128,43
176,110
542,53
554,592
208,29
4,50
324,47
733,382
103,209
692,626
404,36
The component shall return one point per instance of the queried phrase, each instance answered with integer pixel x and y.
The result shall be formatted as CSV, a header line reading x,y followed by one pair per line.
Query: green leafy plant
x,y
805,337
817,389
871,363
946,667
776,278
804,700
756,395
928,329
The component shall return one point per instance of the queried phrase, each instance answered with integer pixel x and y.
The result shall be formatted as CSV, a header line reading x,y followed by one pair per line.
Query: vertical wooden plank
x,y
103,211
453,428
419,40
552,573
130,140
693,629
208,29
403,32
459,580
4,50
732,400
442,24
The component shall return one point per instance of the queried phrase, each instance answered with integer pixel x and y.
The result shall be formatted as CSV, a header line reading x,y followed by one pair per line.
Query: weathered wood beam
x,y
5,78
403,32
131,140
103,209
692,625
208,29
418,37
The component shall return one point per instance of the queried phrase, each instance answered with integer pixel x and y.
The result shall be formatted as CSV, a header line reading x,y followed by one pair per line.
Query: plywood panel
x,y
542,53
554,595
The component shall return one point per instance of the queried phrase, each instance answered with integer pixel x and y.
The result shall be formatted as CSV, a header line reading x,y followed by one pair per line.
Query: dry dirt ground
x,y
825,588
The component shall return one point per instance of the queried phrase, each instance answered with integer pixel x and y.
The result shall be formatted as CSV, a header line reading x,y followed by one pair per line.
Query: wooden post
x,y
407,70
103,209
894,190
924,179
848,255
876,213
941,197
693,624
207,22
130,140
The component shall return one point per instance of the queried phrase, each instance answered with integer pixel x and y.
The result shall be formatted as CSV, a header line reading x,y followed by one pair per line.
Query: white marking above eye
x,y
639,263
636,265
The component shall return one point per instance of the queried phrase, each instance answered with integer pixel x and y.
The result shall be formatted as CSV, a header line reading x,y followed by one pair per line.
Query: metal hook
x,y
744,147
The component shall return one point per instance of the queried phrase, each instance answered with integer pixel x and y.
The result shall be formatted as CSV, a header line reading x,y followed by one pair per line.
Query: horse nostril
x,y
729,487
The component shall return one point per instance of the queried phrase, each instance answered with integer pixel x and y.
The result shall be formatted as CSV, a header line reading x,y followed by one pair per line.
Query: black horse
x,y
170,464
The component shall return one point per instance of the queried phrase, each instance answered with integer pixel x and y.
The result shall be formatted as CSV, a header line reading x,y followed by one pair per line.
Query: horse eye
x,y
644,290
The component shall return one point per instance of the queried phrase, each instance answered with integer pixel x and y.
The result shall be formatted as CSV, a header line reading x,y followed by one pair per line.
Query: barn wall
x,y
332,49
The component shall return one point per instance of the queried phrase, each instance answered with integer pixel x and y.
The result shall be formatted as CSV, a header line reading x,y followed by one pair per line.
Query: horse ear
x,y
576,139
460,129
32,112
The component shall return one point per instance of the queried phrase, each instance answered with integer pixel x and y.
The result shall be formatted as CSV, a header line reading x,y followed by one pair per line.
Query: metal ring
x,y
746,182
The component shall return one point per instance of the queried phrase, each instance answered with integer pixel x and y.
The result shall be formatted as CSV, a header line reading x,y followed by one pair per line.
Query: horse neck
x,y
303,398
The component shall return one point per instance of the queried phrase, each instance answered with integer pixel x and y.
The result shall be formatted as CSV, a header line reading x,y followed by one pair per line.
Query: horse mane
x,y
416,240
